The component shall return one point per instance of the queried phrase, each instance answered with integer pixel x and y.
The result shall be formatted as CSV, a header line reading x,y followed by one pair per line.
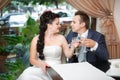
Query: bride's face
x,y
55,26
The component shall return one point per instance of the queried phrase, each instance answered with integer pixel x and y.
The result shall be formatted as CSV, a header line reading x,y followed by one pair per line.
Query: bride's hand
x,y
44,65
75,44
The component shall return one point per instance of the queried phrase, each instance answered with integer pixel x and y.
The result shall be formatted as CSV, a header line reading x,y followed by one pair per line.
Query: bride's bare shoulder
x,y
61,36
35,38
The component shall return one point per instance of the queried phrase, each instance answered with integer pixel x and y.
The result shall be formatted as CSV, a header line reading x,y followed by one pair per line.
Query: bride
x,y
46,48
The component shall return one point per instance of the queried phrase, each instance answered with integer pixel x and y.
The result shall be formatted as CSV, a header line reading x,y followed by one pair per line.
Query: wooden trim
x,y
54,75
4,3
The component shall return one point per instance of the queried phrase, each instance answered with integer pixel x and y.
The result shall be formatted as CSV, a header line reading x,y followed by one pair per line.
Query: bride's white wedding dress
x,y
52,57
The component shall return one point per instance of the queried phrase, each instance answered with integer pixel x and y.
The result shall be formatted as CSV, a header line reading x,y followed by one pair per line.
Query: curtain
x,y
95,8
3,3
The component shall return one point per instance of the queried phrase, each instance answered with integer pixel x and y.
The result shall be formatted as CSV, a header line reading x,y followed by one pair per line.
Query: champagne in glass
x,y
75,39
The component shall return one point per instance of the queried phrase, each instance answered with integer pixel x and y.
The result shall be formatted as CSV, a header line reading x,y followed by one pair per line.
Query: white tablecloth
x,y
114,68
80,71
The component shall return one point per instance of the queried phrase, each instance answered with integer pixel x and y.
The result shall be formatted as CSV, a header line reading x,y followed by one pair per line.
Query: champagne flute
x,y
75,39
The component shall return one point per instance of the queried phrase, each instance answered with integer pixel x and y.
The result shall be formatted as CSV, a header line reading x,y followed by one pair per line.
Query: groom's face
x,y
76,24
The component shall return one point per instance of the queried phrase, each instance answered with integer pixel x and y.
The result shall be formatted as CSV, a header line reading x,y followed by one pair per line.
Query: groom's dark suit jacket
x,y
99,57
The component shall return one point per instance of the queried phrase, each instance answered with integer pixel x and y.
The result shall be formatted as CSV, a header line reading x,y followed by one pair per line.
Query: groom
x,y
96,50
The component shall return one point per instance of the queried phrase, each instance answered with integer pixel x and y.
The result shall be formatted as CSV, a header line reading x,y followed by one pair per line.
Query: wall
x,y
117,15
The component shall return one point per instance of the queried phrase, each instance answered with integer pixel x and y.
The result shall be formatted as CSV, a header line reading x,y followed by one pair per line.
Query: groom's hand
x,y
88,43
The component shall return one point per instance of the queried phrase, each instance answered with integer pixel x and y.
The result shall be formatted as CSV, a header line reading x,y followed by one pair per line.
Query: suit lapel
x,y
90,33
75,34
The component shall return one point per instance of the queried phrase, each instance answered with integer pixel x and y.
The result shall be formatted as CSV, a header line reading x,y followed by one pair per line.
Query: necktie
x,y
82,54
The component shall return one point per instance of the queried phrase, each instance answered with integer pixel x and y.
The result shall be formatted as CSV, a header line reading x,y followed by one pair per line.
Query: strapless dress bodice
x,y
52,54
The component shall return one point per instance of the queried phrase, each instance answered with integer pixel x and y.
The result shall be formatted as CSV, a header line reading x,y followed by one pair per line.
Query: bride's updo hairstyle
x,y
46,18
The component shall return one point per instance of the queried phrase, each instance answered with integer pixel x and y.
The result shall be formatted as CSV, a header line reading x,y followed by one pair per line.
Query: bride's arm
x,y
68,50
33,55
